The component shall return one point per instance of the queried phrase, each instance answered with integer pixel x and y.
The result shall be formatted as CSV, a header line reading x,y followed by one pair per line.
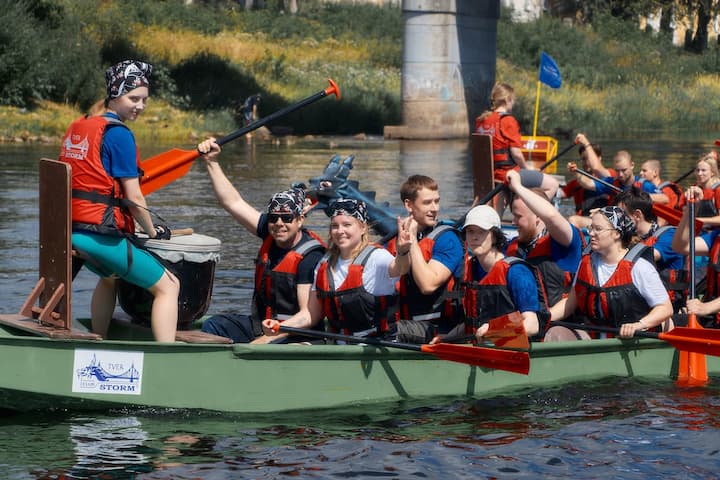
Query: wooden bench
x,y
47,311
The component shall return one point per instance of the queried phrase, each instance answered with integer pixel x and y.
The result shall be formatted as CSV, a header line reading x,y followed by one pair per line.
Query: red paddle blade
x,y
698,340
508,331
672,215
165,168
508,360
692,366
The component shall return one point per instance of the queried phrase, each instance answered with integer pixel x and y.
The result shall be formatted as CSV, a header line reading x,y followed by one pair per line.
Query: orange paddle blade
x,y
508,331
508,360
165,168
692,366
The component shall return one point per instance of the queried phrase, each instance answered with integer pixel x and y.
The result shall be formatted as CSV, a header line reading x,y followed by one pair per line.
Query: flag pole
x,y
537,108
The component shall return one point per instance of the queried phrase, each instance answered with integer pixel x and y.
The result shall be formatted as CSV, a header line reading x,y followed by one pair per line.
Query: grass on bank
x,y
209,57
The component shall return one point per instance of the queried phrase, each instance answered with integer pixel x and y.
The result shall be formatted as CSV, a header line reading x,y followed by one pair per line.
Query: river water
x,y
614,429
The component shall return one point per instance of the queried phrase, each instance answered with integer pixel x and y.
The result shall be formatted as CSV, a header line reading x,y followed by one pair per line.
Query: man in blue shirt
x,y
433,269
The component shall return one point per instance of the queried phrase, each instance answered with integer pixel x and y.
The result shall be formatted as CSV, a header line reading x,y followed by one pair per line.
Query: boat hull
x,y
42,373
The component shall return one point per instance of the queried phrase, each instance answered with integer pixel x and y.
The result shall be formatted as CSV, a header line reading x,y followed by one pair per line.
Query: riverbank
x,y
617,80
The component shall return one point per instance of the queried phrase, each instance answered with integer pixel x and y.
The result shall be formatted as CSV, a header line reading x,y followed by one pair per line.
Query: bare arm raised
x,y
556,224
226,194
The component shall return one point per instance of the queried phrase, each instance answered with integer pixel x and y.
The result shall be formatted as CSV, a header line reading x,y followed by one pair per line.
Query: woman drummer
x,y
107,202
355,282
616,285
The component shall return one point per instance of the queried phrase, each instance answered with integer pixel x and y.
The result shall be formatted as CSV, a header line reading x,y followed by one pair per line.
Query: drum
x,y
192,258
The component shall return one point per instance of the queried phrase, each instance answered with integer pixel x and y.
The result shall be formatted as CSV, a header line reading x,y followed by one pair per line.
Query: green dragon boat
x,y
79,374
49,363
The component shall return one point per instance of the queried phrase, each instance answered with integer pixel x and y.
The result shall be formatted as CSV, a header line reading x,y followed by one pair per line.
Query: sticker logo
x,y
106,371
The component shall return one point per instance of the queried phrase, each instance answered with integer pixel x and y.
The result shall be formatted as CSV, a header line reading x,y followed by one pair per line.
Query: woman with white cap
x,y
616,285
355,281
496,285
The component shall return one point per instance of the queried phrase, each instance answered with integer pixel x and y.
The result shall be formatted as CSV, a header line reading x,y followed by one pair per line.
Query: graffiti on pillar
x,y
434,85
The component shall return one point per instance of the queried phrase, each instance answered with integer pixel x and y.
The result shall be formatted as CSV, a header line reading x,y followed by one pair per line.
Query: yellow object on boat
x,y
540,149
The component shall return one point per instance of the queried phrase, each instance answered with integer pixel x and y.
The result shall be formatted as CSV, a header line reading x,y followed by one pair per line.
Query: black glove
x,y
162,232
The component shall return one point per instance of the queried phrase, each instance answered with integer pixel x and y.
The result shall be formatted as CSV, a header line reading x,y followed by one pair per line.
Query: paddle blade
x,y
508,331
508,360
672,215
165,168
692,366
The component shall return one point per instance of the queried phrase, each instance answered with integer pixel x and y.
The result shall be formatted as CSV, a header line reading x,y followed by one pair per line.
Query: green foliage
x,y
32,67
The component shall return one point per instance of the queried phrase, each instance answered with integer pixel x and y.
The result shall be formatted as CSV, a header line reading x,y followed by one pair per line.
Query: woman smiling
x,y
355,282
616,285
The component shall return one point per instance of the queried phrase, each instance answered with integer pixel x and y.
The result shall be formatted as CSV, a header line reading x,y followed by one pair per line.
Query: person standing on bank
x,y
107,201
499,123
285,263
354,282
429,295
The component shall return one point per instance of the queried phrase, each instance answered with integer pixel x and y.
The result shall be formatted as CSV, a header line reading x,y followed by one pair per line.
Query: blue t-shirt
x,y
645,185
566,258
448,250
669,258
119,152
521,285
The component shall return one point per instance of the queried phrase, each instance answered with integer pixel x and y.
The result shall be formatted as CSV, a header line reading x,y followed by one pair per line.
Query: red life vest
x,y
98,202
676,197
349,307
275,294
556,281
707,207
492,125
616,302
490,297
444,304
713,277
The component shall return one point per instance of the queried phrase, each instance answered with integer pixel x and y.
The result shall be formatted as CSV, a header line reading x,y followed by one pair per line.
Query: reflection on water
x,y
617,428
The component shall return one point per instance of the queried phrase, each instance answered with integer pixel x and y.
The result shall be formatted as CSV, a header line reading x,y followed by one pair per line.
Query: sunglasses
x,y
285,217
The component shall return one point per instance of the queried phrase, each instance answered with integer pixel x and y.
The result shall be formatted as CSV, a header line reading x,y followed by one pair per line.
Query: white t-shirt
x,y
376,277
645,277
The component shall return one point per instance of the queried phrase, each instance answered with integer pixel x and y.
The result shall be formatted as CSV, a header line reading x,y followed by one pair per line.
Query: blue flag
x,y
549,71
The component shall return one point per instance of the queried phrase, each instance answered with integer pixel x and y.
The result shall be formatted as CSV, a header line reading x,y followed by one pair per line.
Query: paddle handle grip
x,y
333,89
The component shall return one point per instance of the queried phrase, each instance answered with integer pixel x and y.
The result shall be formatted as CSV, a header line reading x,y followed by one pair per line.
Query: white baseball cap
x,y
482,216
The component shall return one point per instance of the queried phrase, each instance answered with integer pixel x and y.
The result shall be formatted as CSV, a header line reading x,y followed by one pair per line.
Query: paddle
x,y
692,367
684,175
508,360
491,194
684,339
668,213
506,331
167,167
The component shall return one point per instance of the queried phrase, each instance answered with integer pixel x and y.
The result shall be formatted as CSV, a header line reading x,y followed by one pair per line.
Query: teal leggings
x,y
108,255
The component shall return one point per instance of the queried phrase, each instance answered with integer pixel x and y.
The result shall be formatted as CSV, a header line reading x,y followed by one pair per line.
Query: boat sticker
x,y
107,371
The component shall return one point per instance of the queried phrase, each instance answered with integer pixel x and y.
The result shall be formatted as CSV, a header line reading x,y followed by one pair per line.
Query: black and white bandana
x,y
349,206
618,219
125,76
288,201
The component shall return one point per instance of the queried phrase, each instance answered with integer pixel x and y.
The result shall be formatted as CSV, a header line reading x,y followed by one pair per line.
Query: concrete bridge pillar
x,y
448,66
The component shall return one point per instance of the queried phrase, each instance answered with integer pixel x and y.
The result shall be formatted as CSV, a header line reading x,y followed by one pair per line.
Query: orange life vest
x,y
98,202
